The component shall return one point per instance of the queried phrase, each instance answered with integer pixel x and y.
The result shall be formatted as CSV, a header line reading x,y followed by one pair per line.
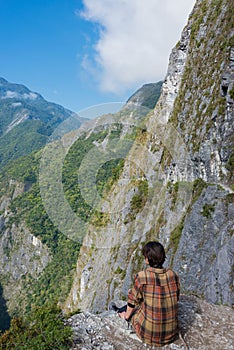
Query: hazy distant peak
x,y
27,120
3,81
25,96
146,96
18,91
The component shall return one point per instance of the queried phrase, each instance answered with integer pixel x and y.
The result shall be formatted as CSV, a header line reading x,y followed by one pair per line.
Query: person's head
x,y
155,254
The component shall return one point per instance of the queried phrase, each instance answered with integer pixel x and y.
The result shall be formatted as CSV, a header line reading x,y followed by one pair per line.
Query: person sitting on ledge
x,y
152,304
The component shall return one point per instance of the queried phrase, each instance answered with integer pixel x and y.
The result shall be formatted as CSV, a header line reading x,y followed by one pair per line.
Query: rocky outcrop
x,y
206,235
22,255
203,326
176,183
204,105
21,252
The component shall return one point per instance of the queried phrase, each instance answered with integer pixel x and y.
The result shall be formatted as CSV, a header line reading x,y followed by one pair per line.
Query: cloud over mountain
x,y
135,39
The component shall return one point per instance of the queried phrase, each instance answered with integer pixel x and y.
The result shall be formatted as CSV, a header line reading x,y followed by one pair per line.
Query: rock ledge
x,y
204,326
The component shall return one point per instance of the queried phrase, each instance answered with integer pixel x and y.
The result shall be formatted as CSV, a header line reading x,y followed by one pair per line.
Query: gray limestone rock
x,y
204,258
202,326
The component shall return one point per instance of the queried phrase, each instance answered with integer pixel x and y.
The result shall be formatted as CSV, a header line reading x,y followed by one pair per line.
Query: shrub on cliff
x,y
42,330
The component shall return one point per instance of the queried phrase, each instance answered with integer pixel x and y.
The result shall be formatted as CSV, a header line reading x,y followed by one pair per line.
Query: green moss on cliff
x,y
175,238
138,200
198,187
230,163
208,210
120,272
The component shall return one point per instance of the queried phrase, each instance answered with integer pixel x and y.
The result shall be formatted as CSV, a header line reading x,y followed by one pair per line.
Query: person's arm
x,y
134,298
126,314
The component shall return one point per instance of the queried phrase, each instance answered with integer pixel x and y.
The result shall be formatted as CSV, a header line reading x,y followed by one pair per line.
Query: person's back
x,y
156,290
153,300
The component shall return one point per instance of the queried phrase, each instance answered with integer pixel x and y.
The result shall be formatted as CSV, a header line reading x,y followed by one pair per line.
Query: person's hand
x,y
122,315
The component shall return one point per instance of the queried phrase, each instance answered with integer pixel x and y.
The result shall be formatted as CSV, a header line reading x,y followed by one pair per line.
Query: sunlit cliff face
x,y
186,164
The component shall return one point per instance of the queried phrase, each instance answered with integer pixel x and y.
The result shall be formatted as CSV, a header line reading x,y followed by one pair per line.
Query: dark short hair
x,y
155,253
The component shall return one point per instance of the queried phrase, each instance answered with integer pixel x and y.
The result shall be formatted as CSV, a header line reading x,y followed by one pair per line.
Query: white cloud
x,y
135,40
16,104
30,96
11,94
14,94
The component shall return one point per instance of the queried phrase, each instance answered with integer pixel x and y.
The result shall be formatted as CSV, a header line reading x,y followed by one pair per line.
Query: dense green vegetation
x,y
34,135
26,121
55,281
70,174
43,329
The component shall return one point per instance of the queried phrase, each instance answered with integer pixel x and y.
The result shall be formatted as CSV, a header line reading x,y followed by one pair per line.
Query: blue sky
x,y
83,53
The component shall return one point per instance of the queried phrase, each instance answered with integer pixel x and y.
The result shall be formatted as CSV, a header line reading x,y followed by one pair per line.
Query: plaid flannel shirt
x,y
155,297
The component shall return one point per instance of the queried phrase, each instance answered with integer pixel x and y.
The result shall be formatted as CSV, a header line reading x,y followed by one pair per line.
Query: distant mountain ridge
x,y
147,96
13,90
26,120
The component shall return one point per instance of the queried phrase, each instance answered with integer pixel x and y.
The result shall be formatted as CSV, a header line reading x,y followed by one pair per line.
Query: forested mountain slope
x,y
26,120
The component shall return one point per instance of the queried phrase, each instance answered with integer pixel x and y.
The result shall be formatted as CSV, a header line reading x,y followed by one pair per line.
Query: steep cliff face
x,y
21,253
176,185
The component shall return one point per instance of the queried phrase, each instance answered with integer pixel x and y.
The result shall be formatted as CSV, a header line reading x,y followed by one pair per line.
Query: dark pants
x,y
122,309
